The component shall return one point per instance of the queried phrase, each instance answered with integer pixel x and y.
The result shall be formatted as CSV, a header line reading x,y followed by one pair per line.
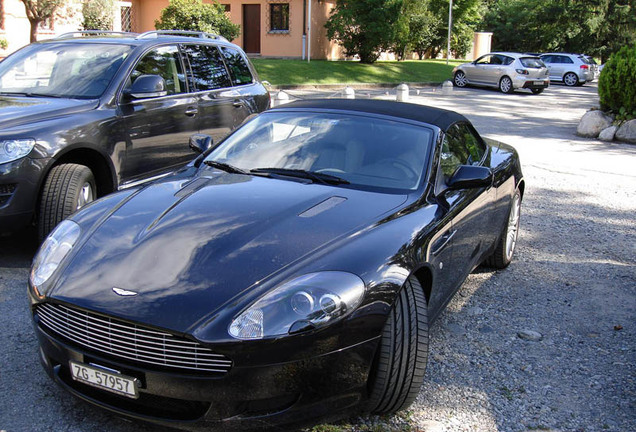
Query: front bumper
x,y
270,396
19,187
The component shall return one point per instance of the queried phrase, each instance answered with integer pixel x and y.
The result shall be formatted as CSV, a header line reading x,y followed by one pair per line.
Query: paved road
x,y
573,280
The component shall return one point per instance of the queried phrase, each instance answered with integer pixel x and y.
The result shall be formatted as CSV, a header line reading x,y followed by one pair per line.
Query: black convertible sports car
x,y
287,275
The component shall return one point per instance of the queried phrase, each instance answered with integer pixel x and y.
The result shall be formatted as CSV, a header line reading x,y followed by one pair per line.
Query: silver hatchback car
x,y
506,70
571,69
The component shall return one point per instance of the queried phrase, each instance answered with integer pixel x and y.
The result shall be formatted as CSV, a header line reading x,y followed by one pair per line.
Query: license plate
x,y
105,379
539,83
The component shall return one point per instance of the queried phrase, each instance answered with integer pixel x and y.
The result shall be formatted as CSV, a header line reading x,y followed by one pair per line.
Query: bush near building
x,y
197,16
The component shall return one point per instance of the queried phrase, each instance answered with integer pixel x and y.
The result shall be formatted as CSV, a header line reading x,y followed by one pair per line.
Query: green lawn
x,y
297,72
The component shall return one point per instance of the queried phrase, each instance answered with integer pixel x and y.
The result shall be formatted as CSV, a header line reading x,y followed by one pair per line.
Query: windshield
x,y
62,69
532,62
365,152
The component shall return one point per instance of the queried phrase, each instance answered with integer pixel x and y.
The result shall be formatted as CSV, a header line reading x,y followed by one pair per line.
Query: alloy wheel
x,y
570,79
460,79
513,226
85,196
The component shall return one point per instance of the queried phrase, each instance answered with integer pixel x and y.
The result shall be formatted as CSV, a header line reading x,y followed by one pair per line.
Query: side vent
x,y
322,206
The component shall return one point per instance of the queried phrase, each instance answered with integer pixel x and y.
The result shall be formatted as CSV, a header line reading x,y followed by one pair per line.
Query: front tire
x,y
505,249
400,361
570,79
460,79
505,85
67,188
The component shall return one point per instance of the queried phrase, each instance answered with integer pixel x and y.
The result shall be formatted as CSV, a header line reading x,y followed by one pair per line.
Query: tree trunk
x,y
34,29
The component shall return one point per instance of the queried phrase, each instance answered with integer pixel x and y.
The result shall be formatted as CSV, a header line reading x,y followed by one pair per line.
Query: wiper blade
x,y
30,94
315,177
225,167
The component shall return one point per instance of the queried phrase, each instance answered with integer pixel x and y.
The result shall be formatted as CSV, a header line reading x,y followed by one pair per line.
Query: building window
x,y
126,18
227,7
279,16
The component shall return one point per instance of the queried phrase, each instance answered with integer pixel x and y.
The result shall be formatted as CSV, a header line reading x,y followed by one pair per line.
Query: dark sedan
x,y
287,275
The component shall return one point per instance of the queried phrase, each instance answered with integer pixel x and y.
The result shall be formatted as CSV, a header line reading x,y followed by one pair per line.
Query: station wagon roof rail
x,y
191,33
81,33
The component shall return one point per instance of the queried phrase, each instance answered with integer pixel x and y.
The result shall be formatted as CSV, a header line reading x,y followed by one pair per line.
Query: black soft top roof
x,y
435,116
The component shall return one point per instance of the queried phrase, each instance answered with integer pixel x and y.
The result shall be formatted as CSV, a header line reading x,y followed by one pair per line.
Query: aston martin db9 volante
x,y
287,275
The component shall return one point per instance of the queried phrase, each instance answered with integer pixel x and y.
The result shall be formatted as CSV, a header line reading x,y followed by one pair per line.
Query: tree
x,y
594,27
38,11
466,16
423,29
98,14
364,28
197,16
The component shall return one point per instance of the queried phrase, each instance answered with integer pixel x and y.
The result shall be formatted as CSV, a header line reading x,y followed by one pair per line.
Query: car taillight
x,y
585,67
522,71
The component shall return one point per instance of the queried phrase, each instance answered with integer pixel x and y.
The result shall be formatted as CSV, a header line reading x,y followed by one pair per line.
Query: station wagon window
x,y
208,69
279,16
239,71
165,62
62,69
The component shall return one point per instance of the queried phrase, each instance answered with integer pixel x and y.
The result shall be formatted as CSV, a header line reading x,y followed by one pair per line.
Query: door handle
x,y
191,111
237,103
442,242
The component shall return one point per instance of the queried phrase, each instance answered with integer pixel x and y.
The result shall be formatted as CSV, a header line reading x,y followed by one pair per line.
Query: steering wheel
x,y
410,173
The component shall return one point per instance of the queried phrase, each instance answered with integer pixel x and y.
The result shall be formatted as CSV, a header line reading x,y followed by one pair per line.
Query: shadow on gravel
x,y
573,281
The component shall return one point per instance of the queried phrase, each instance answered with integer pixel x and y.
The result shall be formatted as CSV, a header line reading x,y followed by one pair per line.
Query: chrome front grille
x,y
127,341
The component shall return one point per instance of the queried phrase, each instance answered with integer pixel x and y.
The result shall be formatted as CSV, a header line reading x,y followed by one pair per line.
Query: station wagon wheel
x,y
505,85
507,243
400,361
570,79
460,79
67,188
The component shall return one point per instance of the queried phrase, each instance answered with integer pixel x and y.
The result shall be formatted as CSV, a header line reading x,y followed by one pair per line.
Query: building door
x,y
252,28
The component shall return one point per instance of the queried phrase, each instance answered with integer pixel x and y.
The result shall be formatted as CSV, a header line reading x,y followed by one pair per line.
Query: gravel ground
x,y
572,286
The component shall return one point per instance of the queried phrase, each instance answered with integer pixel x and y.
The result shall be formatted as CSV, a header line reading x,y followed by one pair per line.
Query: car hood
x,y
186,247
18,110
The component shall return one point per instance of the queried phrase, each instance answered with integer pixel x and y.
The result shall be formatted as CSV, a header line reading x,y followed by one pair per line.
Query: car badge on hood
x,y
123,292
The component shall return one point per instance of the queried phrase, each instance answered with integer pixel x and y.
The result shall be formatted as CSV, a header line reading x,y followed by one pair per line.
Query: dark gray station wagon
x,y
81,117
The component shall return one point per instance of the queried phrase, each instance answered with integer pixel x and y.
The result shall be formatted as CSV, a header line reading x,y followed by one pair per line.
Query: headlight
x,y
56,246
11,150
307,302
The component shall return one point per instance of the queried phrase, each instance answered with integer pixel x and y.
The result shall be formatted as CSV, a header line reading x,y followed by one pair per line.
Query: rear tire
x,y
505,85
536,91
505,249
67,188
570,79
400,361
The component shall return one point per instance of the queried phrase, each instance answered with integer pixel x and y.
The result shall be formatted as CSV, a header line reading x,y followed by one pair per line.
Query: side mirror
x,y
147,86
200,143
468,176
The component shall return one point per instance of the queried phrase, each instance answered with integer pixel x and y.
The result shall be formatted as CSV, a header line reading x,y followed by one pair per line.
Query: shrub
x,y
617,84
4,44
197,16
